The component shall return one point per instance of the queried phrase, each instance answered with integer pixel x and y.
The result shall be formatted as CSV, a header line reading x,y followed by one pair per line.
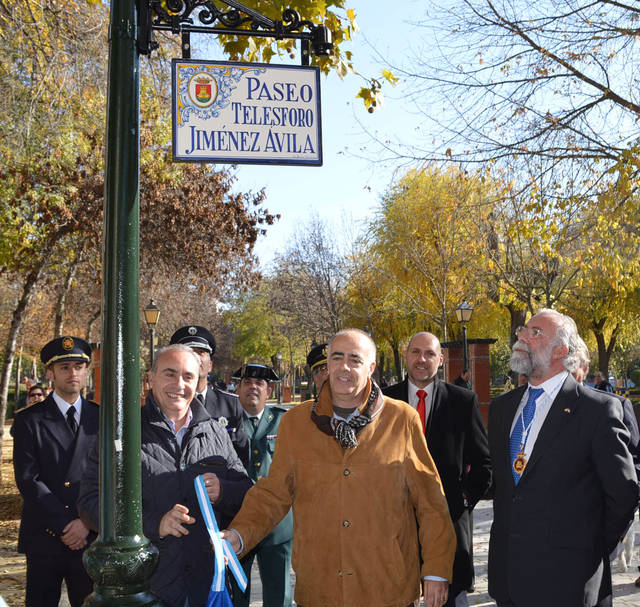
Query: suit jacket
x,y
48,464
457,441
263,445
225,408
631,423
553,532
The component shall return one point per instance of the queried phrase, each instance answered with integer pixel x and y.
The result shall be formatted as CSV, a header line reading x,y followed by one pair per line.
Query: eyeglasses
x,y
319,369
534,331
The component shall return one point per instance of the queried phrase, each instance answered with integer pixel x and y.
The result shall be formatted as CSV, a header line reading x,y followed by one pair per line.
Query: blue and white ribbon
x,y
221,547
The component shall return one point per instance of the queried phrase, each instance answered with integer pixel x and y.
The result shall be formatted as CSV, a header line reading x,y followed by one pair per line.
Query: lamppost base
x,y
120,571
140,599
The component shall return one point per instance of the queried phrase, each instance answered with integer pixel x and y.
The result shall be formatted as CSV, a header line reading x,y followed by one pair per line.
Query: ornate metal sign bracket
x,y
204,17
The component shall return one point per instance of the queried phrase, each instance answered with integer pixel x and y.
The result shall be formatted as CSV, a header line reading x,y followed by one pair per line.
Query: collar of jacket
x,y
325,399
155,414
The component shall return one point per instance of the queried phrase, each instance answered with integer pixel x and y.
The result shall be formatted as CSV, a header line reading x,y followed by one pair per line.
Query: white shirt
x,y
258,415
414,398
64,406
551,388
179,434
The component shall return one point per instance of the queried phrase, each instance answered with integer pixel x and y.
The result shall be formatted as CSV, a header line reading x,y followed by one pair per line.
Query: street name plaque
x,y
246,113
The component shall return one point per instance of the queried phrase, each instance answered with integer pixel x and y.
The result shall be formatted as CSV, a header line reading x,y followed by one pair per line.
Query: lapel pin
x,y
567,410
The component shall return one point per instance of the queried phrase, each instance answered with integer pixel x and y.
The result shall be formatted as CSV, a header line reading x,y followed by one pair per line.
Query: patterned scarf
x,y
345,431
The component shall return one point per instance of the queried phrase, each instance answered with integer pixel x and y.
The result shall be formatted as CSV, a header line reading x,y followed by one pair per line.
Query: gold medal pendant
x,y
520,463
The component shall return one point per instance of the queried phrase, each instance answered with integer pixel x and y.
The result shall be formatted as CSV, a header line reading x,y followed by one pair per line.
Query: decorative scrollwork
x,y
203,16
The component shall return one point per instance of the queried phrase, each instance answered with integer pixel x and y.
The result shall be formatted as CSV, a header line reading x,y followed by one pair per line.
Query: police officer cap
x,y
257,371
65,348
317,356
195,336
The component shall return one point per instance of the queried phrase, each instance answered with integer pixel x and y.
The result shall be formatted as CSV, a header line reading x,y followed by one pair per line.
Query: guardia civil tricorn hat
x,y
257,371
65,348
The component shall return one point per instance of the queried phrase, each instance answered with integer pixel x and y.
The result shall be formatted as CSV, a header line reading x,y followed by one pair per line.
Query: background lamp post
x,y
279,363
151,315
463,314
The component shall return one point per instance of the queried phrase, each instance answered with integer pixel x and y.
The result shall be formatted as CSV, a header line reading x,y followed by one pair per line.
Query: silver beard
x,y
520,362
531,364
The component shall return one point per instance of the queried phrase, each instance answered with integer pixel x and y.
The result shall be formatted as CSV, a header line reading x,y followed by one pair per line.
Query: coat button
x,y
346,524
347,472
257,464
256,452
66,507
67,484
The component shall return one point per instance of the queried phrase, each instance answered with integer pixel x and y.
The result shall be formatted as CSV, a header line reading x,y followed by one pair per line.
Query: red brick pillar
x,y
478,365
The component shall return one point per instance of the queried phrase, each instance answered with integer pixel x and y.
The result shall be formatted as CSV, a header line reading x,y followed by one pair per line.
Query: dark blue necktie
x,y
515,441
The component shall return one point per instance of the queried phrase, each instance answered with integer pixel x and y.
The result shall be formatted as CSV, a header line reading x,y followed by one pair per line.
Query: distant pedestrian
x,y
602,383
463,380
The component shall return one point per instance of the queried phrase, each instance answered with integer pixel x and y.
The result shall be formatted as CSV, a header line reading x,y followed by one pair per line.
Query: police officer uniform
x,y
221,406
317,356
274,551
49,455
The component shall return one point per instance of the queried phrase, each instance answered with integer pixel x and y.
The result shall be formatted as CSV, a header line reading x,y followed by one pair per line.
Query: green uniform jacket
x,y
263,444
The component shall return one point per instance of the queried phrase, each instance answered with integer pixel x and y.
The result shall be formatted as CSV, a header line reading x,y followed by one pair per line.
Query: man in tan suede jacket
x,y
371,523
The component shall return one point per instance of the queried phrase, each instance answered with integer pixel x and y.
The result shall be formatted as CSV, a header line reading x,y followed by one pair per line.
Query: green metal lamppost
x,y
463,314
279,365
121,560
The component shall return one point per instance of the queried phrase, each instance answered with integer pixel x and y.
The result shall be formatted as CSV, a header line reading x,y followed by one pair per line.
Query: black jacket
x,y
48,464
185,565
226,409
457,441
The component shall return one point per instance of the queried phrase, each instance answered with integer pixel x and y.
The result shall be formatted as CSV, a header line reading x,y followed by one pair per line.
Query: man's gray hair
x,y
374,350
174,348
566,335
582,352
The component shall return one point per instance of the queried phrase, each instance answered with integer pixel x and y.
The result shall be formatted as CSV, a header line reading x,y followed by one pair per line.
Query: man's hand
x,y
74,535
172,522
212,484
233,538
435,593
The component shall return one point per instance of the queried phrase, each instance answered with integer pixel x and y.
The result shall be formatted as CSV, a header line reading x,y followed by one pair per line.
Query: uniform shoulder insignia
x,y
278,409
226,393
30,408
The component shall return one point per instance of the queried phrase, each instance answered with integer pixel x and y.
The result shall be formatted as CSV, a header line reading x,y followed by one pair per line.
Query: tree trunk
x,y
397,361
380,368
61,304
91,324
28,290
19,312
604,350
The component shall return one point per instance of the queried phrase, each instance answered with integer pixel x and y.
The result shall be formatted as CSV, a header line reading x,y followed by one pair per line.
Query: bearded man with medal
x,y
565,484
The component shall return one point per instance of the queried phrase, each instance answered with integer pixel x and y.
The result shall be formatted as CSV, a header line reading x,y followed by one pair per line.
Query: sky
x,y
348,187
